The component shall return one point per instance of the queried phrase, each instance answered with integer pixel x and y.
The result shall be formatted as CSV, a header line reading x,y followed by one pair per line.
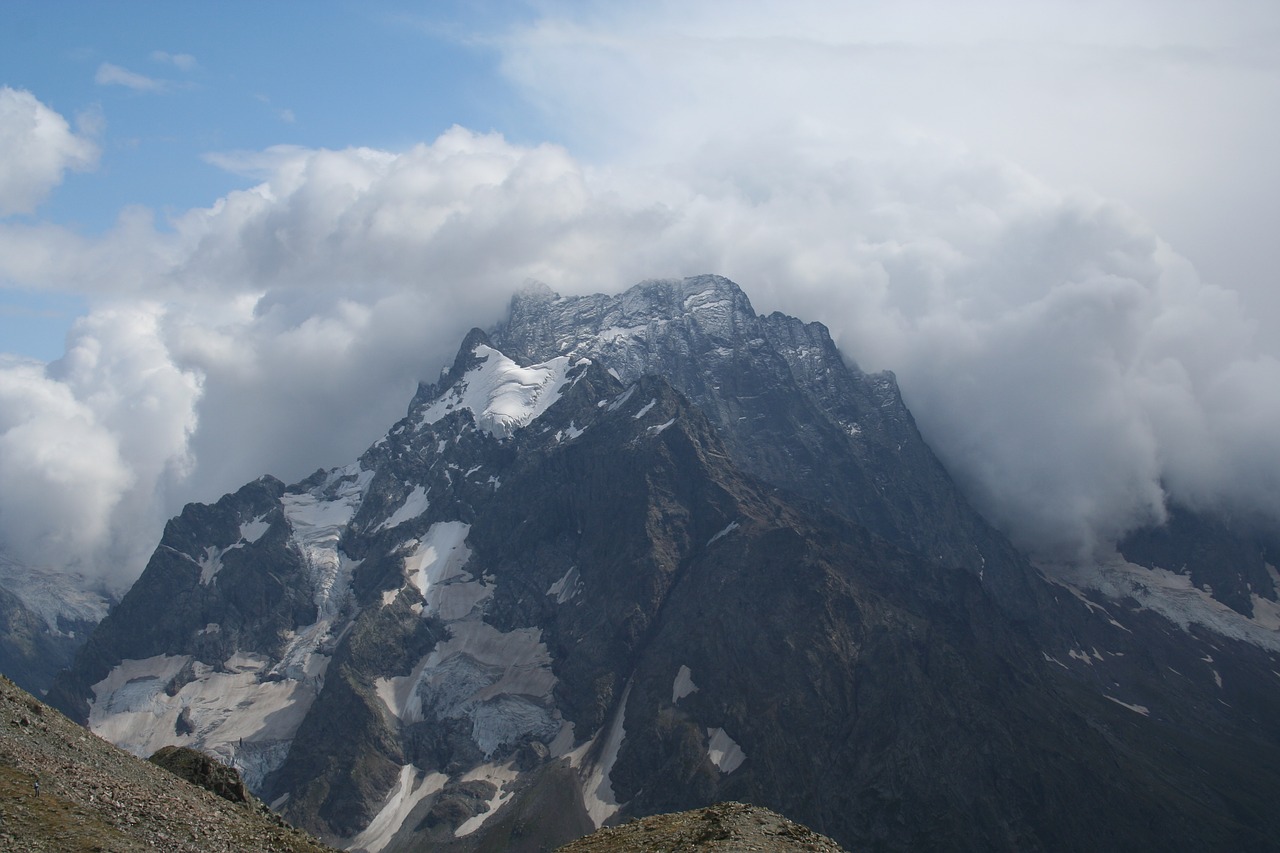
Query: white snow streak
x,y
732,526
644,411
597,790
656,430
408,791
1137,709
621,400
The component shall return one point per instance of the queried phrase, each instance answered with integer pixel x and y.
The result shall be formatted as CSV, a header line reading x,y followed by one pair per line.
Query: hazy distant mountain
x,y
45,616
643,553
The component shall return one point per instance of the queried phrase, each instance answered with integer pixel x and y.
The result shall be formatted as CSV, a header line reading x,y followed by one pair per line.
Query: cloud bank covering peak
x,y
1071,368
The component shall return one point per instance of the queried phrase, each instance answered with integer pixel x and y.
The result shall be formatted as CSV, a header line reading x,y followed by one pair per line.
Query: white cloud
x,y
113,75
90,445
181,61
1068,366
37,147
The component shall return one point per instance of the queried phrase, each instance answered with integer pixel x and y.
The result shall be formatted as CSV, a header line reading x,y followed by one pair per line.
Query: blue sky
x,y
218,77
222,225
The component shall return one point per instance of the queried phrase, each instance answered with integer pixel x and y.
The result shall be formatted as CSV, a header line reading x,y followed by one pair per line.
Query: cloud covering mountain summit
x,y
1067,364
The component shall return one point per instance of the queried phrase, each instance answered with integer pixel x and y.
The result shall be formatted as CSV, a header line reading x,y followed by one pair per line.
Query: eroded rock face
x,y
647,553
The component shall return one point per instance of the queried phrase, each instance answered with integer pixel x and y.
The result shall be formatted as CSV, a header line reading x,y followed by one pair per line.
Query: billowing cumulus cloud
x,y
1073,370
90,444
37,147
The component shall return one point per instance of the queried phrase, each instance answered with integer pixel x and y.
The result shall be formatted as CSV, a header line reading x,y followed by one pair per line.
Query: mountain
x,y
93,796
643,553
45,616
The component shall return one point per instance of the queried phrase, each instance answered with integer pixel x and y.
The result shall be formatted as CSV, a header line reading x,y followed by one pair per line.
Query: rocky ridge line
x,y
725,826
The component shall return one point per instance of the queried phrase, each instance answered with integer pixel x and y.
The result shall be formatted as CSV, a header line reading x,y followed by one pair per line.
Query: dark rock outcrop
x,y
203,771
723,826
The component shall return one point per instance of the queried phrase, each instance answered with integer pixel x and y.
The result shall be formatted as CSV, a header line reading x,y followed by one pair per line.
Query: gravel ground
x,y
724,826
93,796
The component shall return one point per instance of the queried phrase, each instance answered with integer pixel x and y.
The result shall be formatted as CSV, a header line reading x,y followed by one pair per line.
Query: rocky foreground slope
x,y
94,796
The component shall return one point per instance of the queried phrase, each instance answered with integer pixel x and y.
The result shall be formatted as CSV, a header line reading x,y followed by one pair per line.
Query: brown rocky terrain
x,y
62,788
724,826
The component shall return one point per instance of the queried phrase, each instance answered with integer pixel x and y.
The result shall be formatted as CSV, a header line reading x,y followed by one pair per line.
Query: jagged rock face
x,y
645,553
789,407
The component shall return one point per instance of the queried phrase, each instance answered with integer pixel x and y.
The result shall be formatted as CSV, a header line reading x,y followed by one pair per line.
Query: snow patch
x,y
732,526
567,587
501,395
683,685
318,519
613,333
414,505
1137,709
435,568
621,400
501,682
660,427
497,775
210,564
724,751
597,789
570,433
645,410
233,713
410,789
1171,595
251,531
